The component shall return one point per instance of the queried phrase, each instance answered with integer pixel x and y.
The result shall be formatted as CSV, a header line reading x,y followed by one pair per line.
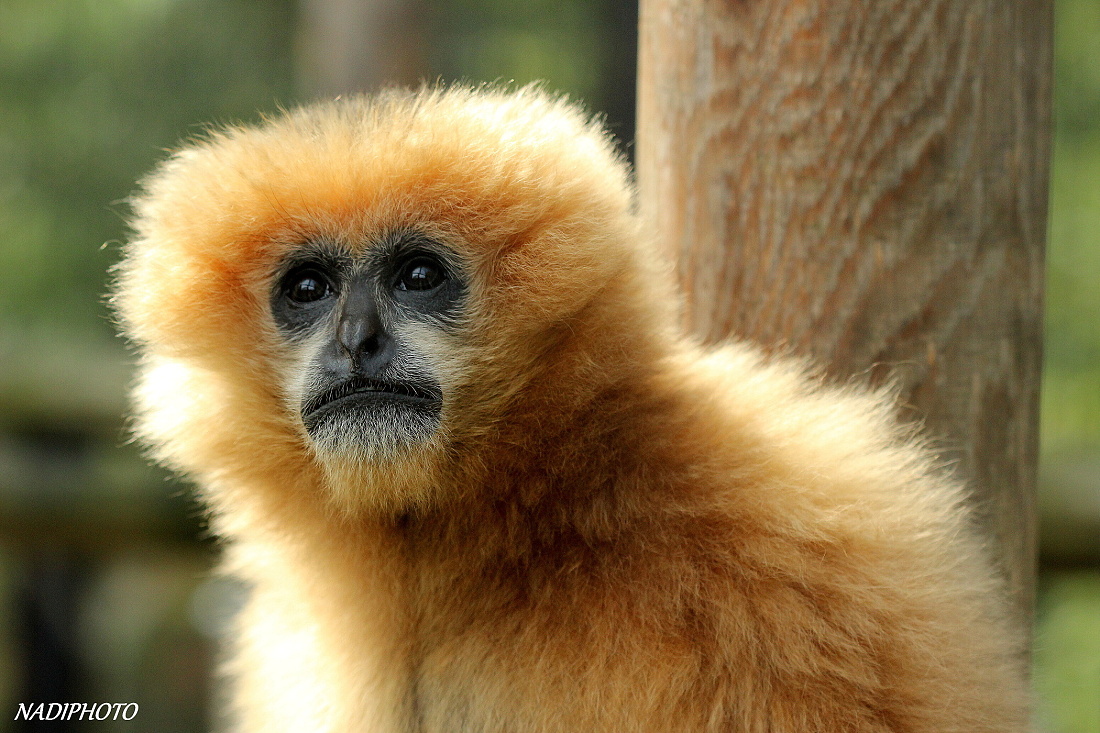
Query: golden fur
x,y
614,530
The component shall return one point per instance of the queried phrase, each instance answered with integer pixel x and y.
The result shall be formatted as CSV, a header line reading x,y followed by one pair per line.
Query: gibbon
x,y
426,368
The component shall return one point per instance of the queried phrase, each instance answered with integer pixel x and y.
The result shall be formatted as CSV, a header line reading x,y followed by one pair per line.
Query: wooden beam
x,y
866,183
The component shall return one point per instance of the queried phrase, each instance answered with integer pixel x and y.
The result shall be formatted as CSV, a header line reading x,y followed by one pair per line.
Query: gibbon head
x,y
372,287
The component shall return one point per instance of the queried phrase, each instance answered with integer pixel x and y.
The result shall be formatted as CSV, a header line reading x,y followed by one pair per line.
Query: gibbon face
x,y
357,326
379,280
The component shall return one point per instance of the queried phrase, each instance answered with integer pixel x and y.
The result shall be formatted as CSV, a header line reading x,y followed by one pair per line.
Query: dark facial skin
x,y
364,383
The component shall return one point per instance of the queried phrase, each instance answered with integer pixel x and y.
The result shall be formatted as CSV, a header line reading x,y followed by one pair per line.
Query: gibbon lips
x,y
363,387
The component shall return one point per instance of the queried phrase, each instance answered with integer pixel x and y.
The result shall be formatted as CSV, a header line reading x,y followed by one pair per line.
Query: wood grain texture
x,y
866,183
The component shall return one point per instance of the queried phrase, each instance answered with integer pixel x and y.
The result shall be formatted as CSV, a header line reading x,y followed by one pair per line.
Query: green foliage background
x,y
1067,650
91,93
1071,398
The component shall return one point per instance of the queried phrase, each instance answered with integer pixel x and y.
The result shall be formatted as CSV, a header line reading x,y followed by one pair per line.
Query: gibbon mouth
x,y
367,388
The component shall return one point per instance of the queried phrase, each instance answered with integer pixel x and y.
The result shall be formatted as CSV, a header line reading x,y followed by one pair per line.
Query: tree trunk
x,y
866,183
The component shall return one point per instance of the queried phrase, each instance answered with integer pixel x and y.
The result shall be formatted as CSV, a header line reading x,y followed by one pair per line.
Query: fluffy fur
x,y
614,529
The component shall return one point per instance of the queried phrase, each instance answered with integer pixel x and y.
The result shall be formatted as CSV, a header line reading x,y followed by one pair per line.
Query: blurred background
x,y
105,591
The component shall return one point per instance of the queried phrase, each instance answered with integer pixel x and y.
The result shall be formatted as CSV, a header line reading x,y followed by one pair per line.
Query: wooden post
x,y
866,182
347,46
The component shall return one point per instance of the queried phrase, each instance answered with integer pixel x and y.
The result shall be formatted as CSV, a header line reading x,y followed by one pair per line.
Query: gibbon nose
x,y
359,329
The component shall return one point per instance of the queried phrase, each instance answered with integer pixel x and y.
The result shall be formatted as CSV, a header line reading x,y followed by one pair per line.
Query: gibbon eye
x,y
421,273
307,286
